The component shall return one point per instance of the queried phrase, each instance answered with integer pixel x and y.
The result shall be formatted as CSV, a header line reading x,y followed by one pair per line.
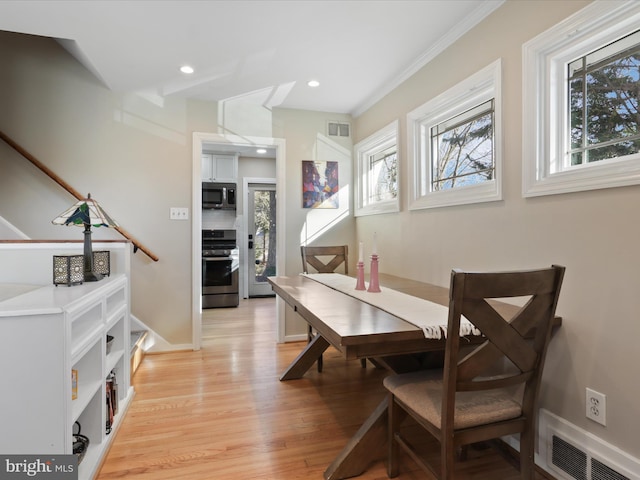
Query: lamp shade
x,y
85,212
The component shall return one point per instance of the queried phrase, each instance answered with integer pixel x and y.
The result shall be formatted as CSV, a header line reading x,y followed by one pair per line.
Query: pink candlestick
x,y
360,276
374,286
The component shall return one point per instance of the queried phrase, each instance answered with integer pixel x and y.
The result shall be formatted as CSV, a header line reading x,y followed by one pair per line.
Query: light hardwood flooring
x,y
221,412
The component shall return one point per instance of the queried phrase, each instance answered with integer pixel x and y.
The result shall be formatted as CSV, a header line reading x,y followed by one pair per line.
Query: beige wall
x,y
594,234
306,141
132,152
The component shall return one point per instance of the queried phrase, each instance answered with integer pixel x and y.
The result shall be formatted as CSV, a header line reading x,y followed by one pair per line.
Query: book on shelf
x,y
74,384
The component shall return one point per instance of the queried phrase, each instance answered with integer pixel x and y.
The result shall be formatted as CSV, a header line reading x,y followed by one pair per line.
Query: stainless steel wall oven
x,y
220,269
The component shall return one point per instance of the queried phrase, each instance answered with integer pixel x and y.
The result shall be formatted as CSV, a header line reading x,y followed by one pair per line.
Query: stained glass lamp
x,y
86,213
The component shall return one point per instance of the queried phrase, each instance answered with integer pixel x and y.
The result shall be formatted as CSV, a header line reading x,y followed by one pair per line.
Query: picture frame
x,y
320,184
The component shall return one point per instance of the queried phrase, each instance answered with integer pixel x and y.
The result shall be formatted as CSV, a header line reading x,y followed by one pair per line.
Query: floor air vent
x,y
579,464
568,458
599,471
571,453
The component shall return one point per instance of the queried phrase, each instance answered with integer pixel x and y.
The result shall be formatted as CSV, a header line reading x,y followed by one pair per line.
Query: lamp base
x,y
92,276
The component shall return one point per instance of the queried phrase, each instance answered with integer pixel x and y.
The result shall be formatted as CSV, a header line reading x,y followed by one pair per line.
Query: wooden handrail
x,y
47,171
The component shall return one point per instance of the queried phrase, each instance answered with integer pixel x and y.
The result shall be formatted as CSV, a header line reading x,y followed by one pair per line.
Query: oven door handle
x,y
216,259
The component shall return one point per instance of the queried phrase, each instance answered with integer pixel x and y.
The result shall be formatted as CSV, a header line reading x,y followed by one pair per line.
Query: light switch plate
x,y
179,213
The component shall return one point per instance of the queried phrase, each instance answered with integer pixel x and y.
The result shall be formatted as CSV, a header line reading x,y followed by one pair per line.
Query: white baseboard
x,y
295,338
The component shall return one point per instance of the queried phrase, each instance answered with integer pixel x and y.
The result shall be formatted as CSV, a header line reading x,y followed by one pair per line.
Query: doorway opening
x,y
228,143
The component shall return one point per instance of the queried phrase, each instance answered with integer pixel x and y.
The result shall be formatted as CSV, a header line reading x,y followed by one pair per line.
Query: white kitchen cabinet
x,y
45,333
219,168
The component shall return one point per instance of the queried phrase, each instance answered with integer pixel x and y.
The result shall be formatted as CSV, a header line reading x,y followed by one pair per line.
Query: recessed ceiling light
x,y
313,83
261,150
186,69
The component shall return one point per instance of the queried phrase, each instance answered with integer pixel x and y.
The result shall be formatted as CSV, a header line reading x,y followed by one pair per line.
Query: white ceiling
x,y
263,50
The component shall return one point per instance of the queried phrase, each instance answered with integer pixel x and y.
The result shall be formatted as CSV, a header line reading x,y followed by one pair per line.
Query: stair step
x,y
137,352
137,337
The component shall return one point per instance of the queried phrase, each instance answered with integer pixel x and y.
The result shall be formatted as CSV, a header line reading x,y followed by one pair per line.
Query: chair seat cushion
x,y
422,393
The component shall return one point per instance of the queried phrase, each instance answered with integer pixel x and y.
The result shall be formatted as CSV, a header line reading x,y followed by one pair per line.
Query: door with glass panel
x,y
261,214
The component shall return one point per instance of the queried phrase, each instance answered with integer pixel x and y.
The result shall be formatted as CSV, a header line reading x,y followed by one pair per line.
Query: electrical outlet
x,y
177,213
597,406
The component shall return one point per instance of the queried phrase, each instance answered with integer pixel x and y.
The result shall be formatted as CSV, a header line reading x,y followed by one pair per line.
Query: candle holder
x,y
374,286
360,276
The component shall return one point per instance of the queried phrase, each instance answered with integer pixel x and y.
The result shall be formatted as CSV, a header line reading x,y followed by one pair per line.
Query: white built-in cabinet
x,y
45,333
219,168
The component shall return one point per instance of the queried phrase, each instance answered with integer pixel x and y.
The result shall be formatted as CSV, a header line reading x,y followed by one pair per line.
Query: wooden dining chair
x,y
470,400
327,259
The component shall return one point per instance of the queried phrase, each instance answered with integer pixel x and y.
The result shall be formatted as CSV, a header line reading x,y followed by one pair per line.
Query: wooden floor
x,y
222,413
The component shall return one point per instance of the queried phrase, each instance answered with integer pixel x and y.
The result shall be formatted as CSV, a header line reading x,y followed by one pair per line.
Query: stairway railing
x,y
47,171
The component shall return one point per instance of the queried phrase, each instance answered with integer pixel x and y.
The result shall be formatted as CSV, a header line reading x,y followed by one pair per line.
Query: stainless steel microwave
x,y
221,196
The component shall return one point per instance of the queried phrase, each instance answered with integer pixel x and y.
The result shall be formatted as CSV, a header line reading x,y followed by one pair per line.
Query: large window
x,y
377,172
455,144
580,113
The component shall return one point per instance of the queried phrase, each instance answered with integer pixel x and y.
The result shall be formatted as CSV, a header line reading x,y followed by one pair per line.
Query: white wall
x,y
594,234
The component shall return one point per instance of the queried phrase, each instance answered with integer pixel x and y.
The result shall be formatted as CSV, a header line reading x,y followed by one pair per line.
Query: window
x,y
377,172
455,142
603,102
462,149
580,112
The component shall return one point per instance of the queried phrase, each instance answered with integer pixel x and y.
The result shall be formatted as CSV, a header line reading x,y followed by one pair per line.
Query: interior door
x,y
261,235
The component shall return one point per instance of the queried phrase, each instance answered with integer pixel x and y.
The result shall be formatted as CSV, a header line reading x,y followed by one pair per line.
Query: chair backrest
x,y
520,341
325,259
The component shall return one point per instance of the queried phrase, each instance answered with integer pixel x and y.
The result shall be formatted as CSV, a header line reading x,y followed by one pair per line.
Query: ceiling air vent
x,y
337,129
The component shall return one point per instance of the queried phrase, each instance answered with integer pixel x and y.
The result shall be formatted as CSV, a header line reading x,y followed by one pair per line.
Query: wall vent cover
x,y
568,458
338,129
571,453
578,464
600,471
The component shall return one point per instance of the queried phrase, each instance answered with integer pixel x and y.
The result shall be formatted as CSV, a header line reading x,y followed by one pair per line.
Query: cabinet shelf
x,y
72,325
113,317
85,393
112,360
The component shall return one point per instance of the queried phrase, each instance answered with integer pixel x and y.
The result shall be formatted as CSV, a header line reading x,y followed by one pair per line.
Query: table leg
x,y
306,359
363,447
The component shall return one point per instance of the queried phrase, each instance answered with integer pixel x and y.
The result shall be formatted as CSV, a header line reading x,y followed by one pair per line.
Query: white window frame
x,y
473,91
545,124
383,139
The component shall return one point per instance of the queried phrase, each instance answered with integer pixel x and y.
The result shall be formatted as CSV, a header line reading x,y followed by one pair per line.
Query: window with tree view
x,y
462,149
383,176
604,88
376,186
455,139
580,102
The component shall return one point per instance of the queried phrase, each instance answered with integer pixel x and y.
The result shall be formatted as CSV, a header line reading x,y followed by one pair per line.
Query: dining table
x,y
401,328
